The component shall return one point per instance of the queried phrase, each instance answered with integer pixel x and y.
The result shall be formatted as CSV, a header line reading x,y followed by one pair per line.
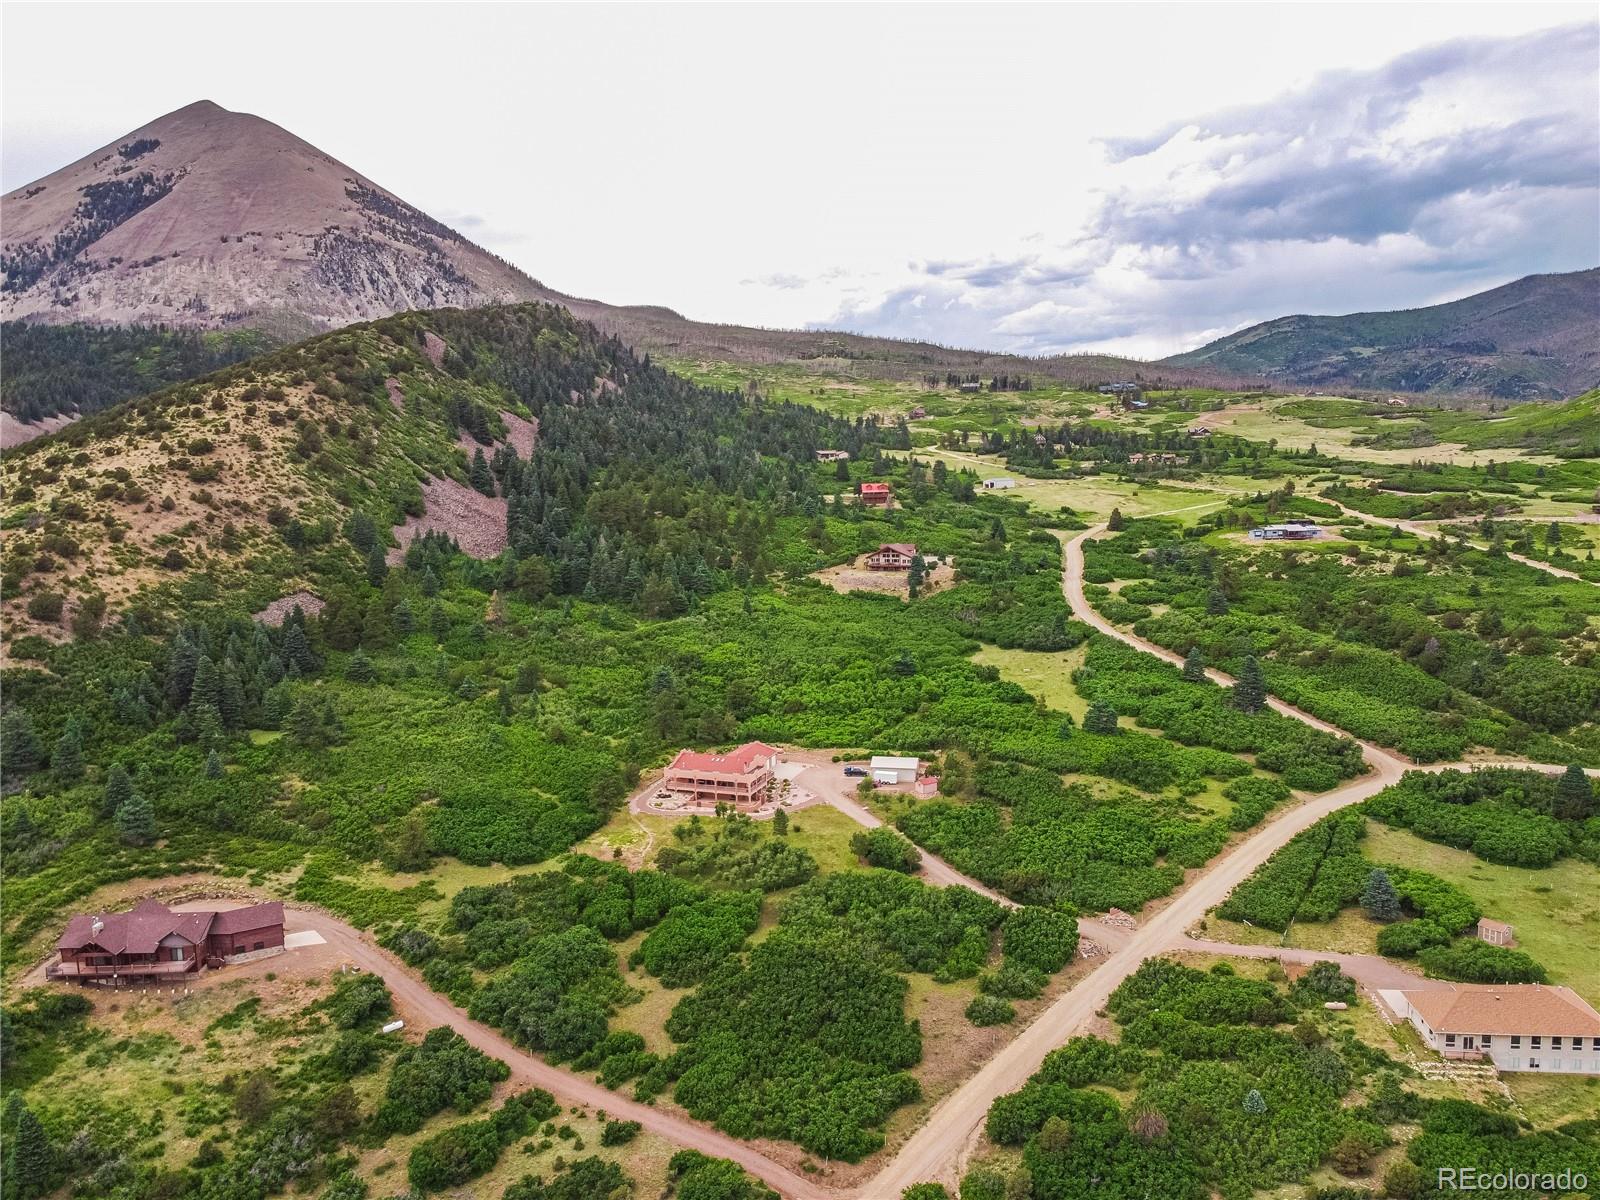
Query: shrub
x,y
990,1010
885,848
619,1133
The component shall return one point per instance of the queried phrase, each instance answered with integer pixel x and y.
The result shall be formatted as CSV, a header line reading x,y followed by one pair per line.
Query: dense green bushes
x,y
462,1152
1322,871
1502,815
1414,658
1045,844
693,939
886,848
1223,1102
1479,962
806,1042
441,1072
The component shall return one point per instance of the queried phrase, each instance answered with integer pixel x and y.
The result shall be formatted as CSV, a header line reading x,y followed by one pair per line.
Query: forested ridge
x,y
82,369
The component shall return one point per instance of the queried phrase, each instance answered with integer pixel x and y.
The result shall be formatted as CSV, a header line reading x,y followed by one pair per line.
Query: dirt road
x,y
1428,530
933,1152
425,1006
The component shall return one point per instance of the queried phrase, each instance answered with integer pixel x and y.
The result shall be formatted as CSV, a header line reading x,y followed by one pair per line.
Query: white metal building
x,y
886,768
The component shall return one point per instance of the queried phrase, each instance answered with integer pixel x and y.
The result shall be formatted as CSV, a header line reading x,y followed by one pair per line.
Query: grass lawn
x,y
1553,1099
1556,910
1046,674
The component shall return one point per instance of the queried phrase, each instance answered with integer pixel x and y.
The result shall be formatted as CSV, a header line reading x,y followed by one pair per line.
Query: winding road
x,y
936,1150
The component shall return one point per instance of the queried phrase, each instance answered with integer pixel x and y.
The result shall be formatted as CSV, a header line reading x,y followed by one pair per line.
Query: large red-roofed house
x,y
153,940
738,777
876,493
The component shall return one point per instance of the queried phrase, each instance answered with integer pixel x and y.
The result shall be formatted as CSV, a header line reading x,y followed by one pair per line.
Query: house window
x,y
177,954
260,946
1596,1044
1516,1041
1449,1039
1533,1064
1555,1043
1538,1043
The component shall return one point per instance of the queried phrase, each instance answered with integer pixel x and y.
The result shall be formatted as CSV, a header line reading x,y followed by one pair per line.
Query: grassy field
x,y
1333,426
1556,910
1047,674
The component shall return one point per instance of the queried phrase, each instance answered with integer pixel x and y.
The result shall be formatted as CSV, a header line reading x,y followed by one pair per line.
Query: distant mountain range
x,y
1537,338
212,220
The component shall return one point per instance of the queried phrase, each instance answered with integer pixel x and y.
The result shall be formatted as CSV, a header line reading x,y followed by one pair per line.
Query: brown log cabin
x,y
153,940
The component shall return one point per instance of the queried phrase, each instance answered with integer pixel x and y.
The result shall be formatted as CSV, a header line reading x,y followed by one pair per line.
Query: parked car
x,y
855,771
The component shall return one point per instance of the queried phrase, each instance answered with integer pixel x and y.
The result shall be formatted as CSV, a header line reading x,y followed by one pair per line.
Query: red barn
x,y
152,940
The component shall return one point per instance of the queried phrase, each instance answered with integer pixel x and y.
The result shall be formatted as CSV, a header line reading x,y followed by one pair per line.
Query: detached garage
x,y
887,768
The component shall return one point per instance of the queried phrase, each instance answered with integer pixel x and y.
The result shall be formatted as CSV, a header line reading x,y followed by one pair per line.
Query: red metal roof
x,y
737,761
874,488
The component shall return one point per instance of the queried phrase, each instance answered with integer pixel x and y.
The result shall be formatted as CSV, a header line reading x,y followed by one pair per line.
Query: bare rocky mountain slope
x,y
209,218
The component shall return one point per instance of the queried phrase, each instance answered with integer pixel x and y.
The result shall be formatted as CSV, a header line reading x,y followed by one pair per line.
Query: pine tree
x,y
305,721
780,823
30,1159
1250,690
1574,799
67,761
1194,666
18,744
439,623
297,650
480,476
214,765
1101,718
136,821
1216,603
119,789
1380,899
377,566
403,618
231,698
360,669
1255,1102
207,685
1116,521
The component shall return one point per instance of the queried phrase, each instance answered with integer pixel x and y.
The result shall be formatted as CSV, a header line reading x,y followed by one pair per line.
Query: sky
x,y
1132,178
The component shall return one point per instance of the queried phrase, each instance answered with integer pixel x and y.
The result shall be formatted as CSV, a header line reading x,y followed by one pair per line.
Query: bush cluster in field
x,y
1228,1098
1432,649
1525,818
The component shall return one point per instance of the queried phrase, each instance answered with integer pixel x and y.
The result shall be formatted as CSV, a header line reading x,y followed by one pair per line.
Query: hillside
x,y
1537,338
285,472
209,218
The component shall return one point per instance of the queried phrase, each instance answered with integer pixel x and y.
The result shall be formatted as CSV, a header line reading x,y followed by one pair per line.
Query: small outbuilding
x,y
889,768
999,483
1496,933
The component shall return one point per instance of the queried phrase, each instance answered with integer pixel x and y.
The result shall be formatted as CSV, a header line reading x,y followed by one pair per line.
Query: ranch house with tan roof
x,y
1517,1027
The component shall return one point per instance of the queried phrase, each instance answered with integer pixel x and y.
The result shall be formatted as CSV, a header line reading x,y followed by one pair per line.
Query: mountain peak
x,y
208,217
